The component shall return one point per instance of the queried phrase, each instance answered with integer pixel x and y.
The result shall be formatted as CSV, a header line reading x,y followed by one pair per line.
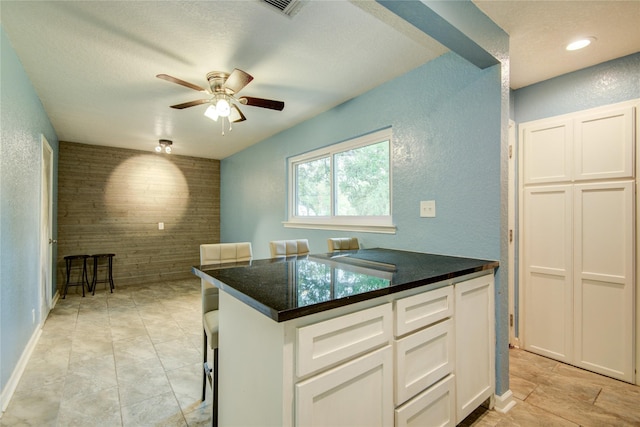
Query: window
x,y
346,186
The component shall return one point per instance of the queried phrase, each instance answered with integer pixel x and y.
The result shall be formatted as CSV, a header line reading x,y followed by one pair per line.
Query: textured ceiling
x,y
93,63
540,30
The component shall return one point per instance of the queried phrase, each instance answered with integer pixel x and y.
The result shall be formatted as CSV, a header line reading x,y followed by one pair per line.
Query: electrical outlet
x,y
428,209
161,226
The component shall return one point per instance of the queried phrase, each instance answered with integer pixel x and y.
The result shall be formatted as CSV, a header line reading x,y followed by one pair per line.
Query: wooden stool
x,y
109,272
68,260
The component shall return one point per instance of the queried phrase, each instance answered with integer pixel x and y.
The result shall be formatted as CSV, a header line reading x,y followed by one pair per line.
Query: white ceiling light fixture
x,y
580,43
164,145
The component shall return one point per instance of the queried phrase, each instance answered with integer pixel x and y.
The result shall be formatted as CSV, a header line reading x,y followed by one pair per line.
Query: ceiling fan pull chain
x,y
222,124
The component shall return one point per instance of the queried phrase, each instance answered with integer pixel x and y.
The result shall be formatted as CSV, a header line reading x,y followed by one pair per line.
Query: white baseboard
x,y
504,403
12,384
55,299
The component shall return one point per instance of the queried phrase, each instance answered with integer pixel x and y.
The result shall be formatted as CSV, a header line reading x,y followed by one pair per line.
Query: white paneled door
x,y
577,223
548,318
603,278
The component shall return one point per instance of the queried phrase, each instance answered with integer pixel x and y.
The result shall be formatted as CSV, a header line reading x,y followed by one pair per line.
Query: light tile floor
x,y
133,358
550,393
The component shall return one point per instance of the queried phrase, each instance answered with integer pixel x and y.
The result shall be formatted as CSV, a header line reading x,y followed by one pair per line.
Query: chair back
x,y
218,253
284,248
215,253
342,244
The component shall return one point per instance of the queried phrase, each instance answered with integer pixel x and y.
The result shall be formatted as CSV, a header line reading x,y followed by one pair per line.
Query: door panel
x,y
548,275
547,152
604,145
603,292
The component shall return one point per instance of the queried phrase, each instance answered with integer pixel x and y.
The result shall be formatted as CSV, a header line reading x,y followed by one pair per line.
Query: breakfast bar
x,y
365,337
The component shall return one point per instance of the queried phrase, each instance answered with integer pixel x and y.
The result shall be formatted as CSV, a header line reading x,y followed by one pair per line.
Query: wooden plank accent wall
x,y
110,200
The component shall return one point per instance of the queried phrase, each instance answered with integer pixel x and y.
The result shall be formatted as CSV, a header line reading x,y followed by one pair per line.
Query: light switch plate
x,y
161,226
428,208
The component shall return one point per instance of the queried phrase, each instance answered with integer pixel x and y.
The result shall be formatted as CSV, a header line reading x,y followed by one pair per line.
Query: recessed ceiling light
x,y
579,44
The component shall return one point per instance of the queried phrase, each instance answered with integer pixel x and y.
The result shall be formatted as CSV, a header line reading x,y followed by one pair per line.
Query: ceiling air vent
x,y
287,7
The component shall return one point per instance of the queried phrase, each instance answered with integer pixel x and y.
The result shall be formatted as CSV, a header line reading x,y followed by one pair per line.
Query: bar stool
x,y
109,272
69,260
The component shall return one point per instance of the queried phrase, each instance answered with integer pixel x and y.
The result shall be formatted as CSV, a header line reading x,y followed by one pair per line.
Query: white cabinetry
x,y
356,392
423,357
578,240
382,362
475,343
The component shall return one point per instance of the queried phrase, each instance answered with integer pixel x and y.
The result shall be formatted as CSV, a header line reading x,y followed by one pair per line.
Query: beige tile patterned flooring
x,y
133,358
550,393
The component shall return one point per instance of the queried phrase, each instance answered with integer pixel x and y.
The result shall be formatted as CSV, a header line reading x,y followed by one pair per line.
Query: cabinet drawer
x,y
356,393
433,407
422,359
336,340
418,311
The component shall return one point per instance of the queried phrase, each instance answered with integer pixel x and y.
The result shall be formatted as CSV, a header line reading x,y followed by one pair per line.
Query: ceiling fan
x,y
222,95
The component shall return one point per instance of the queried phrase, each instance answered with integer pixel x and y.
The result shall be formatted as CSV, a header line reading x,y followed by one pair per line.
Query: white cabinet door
x,y
358,393
334,341
547,262
603,292
604,144
423,358
475,344
547,152
432,408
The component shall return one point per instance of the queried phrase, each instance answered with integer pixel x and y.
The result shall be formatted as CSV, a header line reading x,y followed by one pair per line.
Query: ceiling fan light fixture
x,y
211,113
580,43
223,108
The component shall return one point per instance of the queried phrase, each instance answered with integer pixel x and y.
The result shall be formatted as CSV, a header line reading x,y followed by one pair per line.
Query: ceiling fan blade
x,y
180,82
260,102
190,104
237,80
236,115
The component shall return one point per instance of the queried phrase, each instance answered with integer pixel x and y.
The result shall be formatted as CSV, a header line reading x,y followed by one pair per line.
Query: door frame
x,y
512,238
46,230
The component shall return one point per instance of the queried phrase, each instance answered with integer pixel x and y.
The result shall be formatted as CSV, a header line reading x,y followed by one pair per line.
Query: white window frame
x,y
373,224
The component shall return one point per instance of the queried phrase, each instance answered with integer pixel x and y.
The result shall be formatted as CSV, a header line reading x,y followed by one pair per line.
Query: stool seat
x,y
109,272
69,261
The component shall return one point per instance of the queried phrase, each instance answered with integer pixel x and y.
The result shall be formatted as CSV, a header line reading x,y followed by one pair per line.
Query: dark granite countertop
x,y
292,287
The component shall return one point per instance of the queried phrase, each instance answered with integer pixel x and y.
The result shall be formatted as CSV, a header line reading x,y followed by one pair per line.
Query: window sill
x,y
383,229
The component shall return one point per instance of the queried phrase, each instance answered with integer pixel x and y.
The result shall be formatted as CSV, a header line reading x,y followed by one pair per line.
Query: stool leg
x,y
111,286
94,281
66,284
84,275
204,366
214,415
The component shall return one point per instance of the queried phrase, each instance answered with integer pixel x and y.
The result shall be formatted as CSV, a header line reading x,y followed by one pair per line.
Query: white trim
x,y
512,238
12,384
46,249
383,229
504,403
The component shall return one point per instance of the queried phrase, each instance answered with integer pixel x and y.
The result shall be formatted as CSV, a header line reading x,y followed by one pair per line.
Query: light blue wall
x,y
445,148
446,120
23,120
606,83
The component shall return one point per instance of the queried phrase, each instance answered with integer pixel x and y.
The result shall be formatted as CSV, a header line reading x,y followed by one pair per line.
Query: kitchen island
x,y
367,337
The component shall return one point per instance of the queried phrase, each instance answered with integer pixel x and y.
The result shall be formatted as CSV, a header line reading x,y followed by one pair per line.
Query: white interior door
x,y
547,263
603,272
46,231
